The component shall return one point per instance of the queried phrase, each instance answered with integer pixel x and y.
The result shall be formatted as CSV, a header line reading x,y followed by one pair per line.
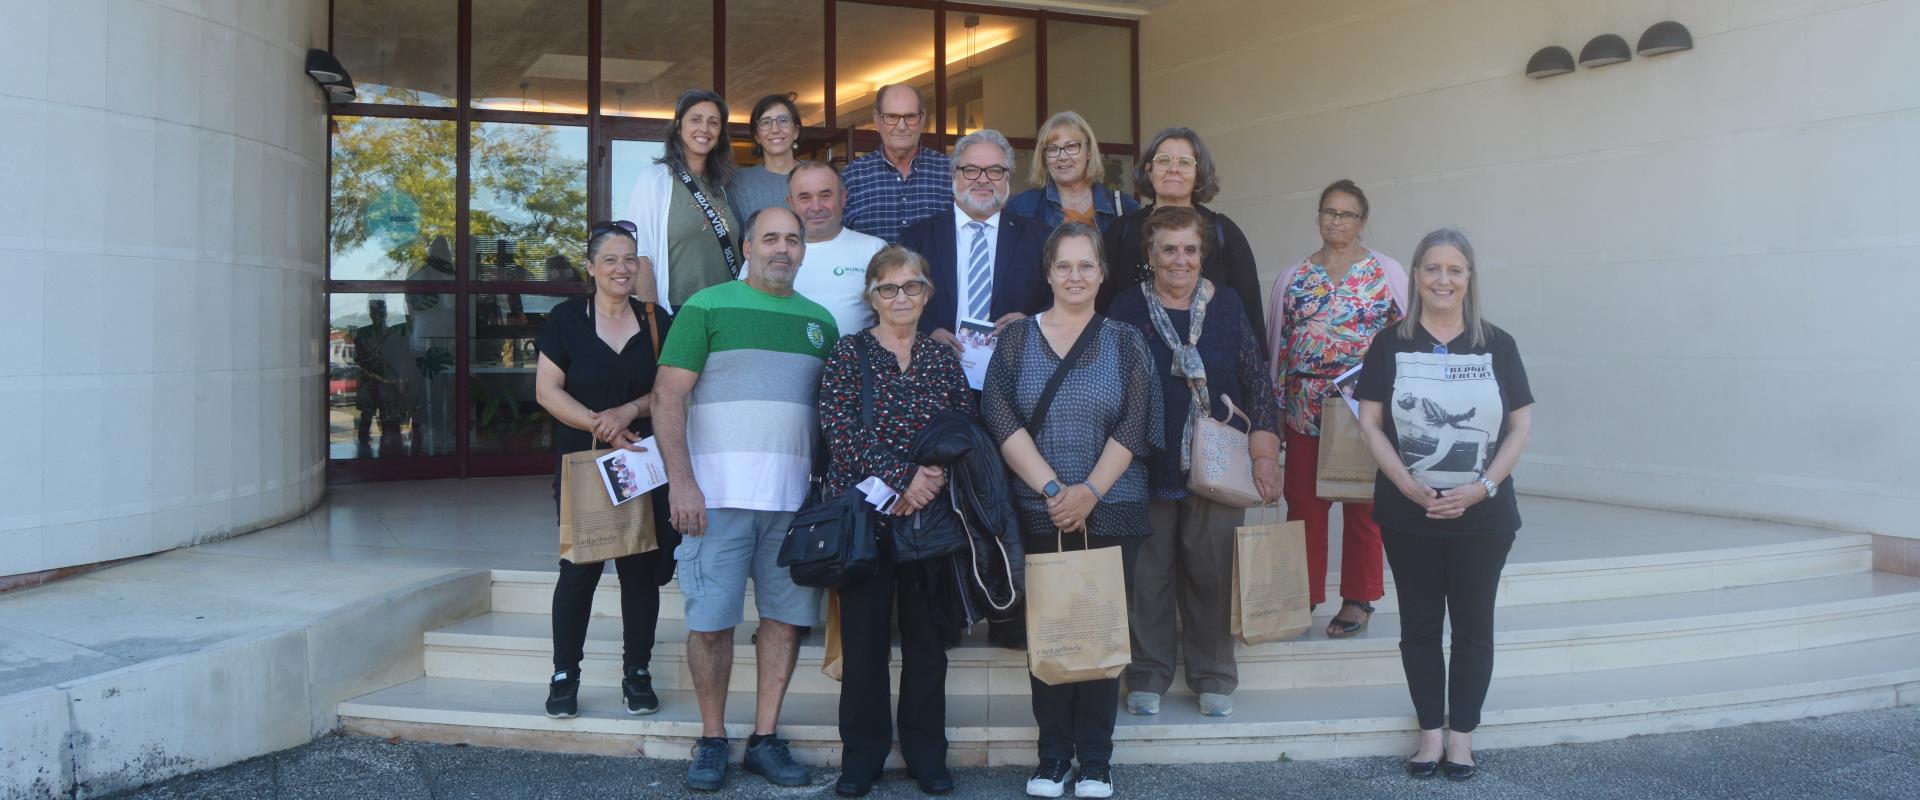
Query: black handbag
x,y
834,541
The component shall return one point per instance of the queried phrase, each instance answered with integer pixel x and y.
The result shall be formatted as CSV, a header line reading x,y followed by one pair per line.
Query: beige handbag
x,y
1221,464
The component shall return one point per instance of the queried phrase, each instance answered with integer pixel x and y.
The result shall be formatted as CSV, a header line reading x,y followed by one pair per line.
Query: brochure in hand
x,y
628,474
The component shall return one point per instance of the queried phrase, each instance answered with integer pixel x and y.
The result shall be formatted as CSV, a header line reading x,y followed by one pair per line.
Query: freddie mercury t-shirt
x,y
751,421
1446,412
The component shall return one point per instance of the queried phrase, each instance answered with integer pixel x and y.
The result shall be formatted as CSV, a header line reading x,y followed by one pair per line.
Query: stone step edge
x,y
818,743
975,650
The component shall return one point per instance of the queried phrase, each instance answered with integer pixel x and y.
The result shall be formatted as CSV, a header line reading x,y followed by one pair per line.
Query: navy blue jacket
x,y
1019,283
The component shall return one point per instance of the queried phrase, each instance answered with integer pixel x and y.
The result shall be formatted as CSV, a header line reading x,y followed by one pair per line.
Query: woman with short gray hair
x,y
1176,169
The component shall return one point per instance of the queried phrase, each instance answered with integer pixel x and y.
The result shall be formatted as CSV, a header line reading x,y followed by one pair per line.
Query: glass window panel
x,y
875,46
650,52
398,53
392,198
1089,70
628,158
504,415
530,55
528,213
389,375
776,47
991,73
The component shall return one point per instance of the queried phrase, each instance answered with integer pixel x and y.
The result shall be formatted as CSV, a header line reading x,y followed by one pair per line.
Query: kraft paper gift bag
x,y
1077,616
1345,469
834,664
1270,601
592,528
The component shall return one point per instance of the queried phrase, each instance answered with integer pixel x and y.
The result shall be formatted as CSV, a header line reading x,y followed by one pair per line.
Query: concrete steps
x,y
1613,622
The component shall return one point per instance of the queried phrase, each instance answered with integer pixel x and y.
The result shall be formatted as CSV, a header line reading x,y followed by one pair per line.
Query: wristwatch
x,y
1051,489
1492,488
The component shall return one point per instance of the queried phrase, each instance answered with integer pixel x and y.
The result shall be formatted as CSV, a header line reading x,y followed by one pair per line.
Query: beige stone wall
x,y
163,246
1709,258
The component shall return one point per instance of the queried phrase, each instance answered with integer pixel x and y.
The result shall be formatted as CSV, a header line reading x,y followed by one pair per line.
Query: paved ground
x,y
1873,754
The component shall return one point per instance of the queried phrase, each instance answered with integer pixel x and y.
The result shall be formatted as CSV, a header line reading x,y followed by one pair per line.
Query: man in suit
x,y
986,265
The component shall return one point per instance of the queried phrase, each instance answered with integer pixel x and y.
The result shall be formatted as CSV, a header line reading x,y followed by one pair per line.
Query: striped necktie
x,y
979,275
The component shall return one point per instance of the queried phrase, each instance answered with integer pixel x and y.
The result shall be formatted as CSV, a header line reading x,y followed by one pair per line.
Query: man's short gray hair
x,y
986,136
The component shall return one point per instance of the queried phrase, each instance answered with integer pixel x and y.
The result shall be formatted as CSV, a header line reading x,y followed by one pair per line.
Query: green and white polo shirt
x,y
751,423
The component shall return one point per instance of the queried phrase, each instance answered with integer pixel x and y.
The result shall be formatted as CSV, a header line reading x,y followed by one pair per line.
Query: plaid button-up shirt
x,y
881,203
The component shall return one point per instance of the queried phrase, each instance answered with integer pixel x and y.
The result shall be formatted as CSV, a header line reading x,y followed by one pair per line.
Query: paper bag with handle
x,y
1077,615
1270,601
592,528
1345,468
835,663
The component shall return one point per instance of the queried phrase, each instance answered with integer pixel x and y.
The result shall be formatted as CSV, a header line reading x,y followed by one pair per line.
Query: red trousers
x,y
1361,559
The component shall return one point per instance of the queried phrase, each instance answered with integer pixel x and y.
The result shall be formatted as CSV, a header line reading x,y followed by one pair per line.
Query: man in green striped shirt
x,y
734,415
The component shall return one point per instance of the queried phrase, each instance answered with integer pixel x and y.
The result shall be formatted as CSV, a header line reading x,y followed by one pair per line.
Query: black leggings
x,y
1433,577
1076,719
639,608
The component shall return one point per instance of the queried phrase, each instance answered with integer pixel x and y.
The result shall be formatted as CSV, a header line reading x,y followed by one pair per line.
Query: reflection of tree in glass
x,y
523,189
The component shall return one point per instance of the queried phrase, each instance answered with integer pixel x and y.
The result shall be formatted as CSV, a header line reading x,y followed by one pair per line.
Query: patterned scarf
x,y
1186,357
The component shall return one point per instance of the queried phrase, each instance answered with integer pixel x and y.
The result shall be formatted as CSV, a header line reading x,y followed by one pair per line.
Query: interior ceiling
x,y
531,54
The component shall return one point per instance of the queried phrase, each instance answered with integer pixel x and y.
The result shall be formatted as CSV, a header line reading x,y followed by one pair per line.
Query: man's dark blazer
x,y
1019,283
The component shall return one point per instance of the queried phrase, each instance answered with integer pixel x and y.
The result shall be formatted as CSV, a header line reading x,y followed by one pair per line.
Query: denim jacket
x,y
1043,206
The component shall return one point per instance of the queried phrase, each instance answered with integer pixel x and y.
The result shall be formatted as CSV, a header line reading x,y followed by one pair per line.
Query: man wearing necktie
x,y
986,265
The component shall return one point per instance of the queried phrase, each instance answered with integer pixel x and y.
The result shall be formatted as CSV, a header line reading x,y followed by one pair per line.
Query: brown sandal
x,y
1342,629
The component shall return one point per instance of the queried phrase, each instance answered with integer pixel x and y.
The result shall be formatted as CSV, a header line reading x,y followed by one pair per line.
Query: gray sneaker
x,y
708,772
770,759
1143,704
1215,705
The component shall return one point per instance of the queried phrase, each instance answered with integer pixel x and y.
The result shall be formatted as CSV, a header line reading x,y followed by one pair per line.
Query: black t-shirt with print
x,y
1446,413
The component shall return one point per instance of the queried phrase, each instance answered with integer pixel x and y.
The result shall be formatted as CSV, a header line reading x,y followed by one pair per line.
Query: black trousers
x,y
639,608
1434,578
1076,719
866,628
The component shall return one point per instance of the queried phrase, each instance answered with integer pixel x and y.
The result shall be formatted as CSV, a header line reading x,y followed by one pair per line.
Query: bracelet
x,y
1096,492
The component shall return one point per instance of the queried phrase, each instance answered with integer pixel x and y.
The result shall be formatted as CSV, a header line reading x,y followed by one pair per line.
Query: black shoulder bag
x,y
1039,418
714,221
834,541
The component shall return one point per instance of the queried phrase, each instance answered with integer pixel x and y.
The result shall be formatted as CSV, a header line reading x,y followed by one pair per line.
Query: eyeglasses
x,y
973,173
1063,269
888,291
782,122
1342,217
621,226
1168,163
897,120
1070,149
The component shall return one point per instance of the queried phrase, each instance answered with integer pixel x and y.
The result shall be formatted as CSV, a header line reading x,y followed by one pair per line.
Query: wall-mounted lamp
x,y
1550,61
1665,37
333,78
1607,48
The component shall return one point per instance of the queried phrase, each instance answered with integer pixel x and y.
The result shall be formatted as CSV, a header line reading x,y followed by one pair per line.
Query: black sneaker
x,y
637,688
708,772
563,695
771,760
1050,778
1095,780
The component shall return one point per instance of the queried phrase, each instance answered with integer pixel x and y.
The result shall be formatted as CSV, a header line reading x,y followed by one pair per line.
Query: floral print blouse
x,y
1325,331
903,402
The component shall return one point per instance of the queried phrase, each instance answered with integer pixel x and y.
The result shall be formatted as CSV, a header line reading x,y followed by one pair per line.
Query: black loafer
x,y
1460,772
939,784
1422,769
848,787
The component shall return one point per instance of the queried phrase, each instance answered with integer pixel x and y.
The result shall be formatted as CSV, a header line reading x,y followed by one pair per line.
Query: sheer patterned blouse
x,y
1109,394
903,402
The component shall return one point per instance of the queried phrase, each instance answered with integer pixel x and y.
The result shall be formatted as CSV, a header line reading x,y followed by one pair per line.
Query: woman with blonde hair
x,y
1068,171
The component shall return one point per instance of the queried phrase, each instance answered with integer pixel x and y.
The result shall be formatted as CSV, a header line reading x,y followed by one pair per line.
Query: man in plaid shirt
x,y
902,182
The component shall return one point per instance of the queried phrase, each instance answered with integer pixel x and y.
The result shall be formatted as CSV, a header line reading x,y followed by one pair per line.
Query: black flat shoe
x,y
1460,772
847,787
939,784
1422,769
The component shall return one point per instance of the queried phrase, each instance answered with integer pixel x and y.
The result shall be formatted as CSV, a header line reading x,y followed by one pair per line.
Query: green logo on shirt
x,y
816,335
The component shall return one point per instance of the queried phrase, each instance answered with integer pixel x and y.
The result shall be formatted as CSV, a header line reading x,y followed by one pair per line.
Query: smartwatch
x,y
1051,489
1492,488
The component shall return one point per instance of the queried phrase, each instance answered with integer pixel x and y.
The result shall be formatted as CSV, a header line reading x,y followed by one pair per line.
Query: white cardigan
x,y
647,207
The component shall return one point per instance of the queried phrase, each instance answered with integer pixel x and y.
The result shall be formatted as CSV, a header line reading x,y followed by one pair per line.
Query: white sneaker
x,y
1049,779
1095,780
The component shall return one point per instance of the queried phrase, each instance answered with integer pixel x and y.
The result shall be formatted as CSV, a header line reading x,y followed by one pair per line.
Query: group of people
x,y
802,325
